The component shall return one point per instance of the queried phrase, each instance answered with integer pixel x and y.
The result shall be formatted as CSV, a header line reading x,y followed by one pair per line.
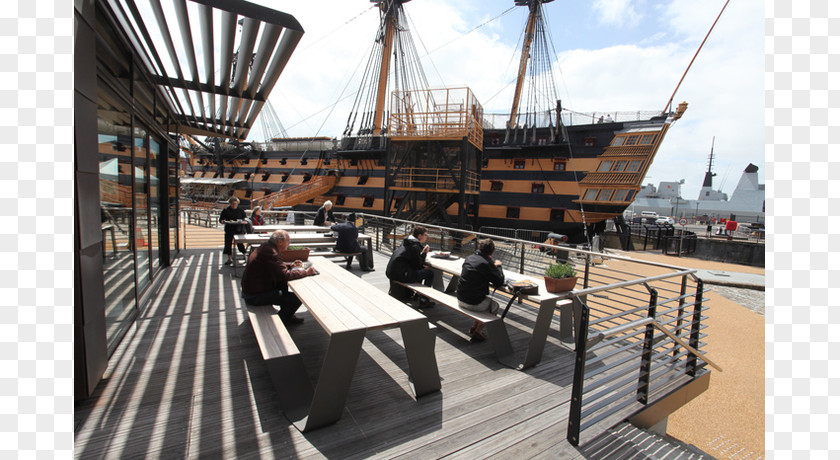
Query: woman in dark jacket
x,y
473,291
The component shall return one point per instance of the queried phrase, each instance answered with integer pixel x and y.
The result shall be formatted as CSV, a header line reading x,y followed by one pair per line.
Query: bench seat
x,y
496,333
280,354
450,301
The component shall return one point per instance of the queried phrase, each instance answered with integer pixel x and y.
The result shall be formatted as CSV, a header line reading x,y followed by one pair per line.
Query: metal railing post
x,y
586,271
694,338
647,353
576,404
522,258
681,311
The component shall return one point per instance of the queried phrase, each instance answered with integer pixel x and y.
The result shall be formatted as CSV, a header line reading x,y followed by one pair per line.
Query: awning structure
x,y
193,50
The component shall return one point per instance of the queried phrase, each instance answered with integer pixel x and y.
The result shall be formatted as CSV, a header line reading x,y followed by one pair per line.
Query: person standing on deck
x,y
347,241
407,263
266,277
325,216
232,213
473,290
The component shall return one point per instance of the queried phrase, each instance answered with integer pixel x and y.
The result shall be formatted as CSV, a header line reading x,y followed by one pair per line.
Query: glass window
x,y
631,140
619,166
537,188
155,168
518,164
115,195
141,208
605,195
634,166
605,166
591,194
646,139
559,165
618,141
512,213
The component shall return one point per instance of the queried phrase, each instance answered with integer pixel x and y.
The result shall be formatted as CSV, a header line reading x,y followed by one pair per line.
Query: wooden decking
x,y
188,381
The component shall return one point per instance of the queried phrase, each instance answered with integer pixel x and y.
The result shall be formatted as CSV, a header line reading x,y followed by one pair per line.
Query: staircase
x,y
291,196
625,441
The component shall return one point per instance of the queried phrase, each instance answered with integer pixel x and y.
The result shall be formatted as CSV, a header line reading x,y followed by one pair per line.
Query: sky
x,y
612,55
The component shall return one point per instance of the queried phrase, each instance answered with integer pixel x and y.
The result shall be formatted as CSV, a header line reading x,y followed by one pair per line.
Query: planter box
x,y
556,285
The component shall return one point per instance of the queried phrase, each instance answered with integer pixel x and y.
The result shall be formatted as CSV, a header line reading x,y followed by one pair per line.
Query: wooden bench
x,y
281,355
496,333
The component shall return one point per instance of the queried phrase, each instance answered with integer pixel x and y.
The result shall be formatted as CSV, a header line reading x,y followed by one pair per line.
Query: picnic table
x,y
291,228
312,240
547,303
347,308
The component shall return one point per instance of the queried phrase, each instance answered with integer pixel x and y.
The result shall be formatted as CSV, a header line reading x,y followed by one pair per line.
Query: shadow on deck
x,y
188,381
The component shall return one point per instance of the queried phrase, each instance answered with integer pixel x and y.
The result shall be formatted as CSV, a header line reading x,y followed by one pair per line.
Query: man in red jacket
x,y
266,277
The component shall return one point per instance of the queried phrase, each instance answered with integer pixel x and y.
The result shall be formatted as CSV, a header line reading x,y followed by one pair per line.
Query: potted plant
x,y
293,253
560,277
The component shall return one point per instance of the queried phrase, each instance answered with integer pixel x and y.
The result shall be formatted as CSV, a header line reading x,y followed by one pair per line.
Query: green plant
x,y
295,248
560,270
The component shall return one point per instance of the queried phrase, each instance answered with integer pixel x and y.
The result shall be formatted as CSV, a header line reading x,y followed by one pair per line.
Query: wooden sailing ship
x,y
433,155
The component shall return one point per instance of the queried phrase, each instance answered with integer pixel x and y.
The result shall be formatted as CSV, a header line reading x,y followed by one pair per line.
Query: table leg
x,y
566,329
370,253
333,382
420,350
538,338
113,241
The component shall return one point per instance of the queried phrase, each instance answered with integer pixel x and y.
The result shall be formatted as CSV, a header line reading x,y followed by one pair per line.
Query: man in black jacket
x,y
347,240
230,218
473,291
407,263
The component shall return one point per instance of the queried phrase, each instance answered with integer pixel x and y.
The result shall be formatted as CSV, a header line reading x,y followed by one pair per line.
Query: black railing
x,y
644,348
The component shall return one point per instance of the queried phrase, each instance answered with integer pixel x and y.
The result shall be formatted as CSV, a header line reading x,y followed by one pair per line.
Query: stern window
x,y
512,213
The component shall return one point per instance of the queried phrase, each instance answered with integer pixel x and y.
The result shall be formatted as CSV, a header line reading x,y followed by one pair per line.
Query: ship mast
x,y
535,10
390,20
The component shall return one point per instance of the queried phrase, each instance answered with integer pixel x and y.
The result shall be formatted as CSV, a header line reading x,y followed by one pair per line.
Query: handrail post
x,y
586,271
694,338
522,258
576,404
681,310
647,353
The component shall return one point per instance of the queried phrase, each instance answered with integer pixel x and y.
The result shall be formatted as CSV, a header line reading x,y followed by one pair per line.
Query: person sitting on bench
x,y
266,278
347,241
408,264
473,291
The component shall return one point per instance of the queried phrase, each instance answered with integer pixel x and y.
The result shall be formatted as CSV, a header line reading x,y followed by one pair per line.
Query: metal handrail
x,y
653,373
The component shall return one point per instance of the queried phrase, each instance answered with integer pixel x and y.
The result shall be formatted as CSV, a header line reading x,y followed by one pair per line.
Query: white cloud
x,y
618,13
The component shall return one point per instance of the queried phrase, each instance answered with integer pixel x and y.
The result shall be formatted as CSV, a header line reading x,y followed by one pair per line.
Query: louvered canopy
x,y
193,50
